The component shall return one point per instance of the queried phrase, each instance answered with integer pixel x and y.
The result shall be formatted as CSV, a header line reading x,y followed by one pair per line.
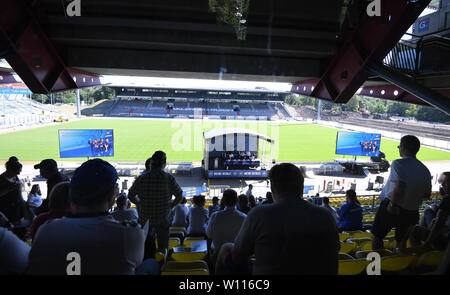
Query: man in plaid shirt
x,y
152,193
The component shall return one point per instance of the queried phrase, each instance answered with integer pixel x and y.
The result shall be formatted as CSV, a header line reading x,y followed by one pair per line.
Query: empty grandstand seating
x,y
155,108
21,110
196,267
352,266
396,264
187,255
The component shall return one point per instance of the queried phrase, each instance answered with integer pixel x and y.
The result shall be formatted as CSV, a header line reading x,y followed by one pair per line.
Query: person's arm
x,y
427,195
9,188
340,215
397,175
188,218
437,224
397,195
211,226
23,208
244,242
177,200
133,192
238,256
176,191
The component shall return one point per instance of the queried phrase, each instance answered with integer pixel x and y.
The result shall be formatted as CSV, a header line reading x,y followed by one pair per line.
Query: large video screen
x,y
358,144
75,143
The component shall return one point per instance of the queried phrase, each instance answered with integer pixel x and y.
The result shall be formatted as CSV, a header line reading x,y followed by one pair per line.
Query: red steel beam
x,y
371,41
395,93
33,56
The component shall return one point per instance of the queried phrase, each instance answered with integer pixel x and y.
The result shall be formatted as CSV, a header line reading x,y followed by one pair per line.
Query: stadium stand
x,y
19,110
169,109
180,259
99,108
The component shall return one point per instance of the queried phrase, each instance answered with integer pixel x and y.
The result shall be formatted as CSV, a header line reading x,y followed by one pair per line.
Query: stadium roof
x,y
206,88
14,88
223,131
328,49
434,3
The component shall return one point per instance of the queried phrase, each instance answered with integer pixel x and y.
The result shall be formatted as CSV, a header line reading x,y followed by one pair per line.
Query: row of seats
x,y
355,247
180,260
149,107
390,263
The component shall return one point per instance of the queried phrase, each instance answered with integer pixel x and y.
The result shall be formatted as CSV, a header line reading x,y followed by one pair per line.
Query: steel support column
x,y
367,39
427,95
77,94
32,55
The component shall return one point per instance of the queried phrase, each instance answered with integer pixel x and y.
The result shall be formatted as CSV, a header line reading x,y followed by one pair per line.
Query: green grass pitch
x,y
182,140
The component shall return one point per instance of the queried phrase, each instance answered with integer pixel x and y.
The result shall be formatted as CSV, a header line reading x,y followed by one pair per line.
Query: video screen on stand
x,y
75,143
358,144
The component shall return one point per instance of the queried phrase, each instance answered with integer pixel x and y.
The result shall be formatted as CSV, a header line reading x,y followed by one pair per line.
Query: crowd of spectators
x,y
286,234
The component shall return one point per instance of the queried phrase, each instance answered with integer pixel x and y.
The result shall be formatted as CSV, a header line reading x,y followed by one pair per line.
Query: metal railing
x,y
406,56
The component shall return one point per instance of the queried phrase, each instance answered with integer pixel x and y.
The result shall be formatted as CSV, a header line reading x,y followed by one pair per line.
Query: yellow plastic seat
x,y
393,244
361,235
367,245
186,253
344,236
188,272
359,241
430,259
382,252
352,267
396,263
185,265
174,242
347,247
344,256
174,229
188,241
161,256
391,233
188,256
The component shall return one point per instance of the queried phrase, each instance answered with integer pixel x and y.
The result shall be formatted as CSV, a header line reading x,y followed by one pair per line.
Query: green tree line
x,y
89,95
375,106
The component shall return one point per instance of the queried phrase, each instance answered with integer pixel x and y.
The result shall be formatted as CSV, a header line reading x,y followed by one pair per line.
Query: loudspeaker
x,y
125,184
370,186
379,179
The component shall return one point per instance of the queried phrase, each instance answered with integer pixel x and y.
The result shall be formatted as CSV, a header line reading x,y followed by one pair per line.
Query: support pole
x,y
429,96
271,152
319,109
77,94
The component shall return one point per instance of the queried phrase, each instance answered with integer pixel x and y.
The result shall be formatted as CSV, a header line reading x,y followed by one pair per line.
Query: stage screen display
x,y
75,143
358,144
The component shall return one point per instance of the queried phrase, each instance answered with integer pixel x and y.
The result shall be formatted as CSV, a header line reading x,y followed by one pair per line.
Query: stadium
x,y
219,137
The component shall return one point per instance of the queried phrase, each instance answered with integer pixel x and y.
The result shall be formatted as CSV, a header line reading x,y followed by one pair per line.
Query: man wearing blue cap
x,y
89,241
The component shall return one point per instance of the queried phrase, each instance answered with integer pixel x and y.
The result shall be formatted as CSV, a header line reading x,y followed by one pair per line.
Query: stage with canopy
x,y
237,153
